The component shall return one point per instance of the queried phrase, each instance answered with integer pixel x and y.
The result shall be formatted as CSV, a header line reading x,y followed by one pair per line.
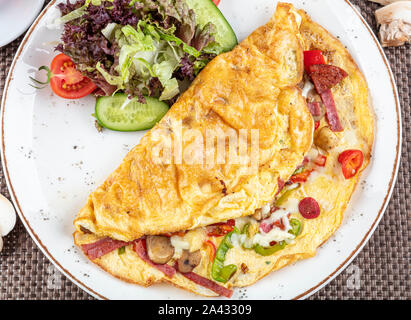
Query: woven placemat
x,y
383,264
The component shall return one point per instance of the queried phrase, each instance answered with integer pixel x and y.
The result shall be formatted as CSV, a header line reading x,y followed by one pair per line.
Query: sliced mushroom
x,y
395,21
159,249
313,96
188,261
326,139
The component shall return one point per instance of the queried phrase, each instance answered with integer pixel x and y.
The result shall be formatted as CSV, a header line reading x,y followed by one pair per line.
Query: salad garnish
x,y
140,47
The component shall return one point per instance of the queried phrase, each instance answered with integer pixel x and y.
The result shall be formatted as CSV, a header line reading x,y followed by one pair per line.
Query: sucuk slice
x,y
326,76
309,208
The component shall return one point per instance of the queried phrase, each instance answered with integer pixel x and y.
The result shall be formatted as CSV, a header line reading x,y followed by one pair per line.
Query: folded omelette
x,y
251,87
209,226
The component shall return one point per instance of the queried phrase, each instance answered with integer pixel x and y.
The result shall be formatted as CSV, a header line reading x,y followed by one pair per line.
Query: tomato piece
x,y
231,222
216,2
316,125
67,82
220,230
351,161
266,226
300,177
213,249
305,161
309,208
279,223
321,160
313,57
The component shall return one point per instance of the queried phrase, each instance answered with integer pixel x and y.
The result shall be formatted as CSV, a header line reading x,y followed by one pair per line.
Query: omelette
x,y
211,227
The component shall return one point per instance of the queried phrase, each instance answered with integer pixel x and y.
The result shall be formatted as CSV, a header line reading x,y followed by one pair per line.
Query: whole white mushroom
x,y
395,22
7,218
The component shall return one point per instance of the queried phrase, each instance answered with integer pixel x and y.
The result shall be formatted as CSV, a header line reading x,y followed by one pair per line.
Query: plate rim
x,y
303,295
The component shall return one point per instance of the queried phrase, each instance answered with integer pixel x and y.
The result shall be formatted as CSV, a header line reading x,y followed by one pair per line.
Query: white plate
x,y
53,157
15,17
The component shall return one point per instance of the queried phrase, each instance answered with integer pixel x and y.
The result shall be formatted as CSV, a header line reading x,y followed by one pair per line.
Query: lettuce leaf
x,y
171,89
113,80
145,53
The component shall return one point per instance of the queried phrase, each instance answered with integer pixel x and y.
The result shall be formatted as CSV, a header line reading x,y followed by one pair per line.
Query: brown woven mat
x,y
25,273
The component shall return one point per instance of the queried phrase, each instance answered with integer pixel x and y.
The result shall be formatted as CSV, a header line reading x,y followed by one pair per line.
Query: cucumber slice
x,y
119,114
206,11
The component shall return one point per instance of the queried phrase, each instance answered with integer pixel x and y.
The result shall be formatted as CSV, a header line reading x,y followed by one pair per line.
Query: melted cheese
x,y
276,234
291,205
277,215
238,240
312,154
179,245
241,222
308,86
282,215
350,138
265,210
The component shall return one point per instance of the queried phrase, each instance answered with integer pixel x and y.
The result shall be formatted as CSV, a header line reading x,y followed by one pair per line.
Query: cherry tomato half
x,y
351,161
216,2
66,81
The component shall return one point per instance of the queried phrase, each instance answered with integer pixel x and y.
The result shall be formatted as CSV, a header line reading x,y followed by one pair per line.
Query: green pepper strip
x,y
219,272
296,227
121,250
228,271
245,229
299,170
270,250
